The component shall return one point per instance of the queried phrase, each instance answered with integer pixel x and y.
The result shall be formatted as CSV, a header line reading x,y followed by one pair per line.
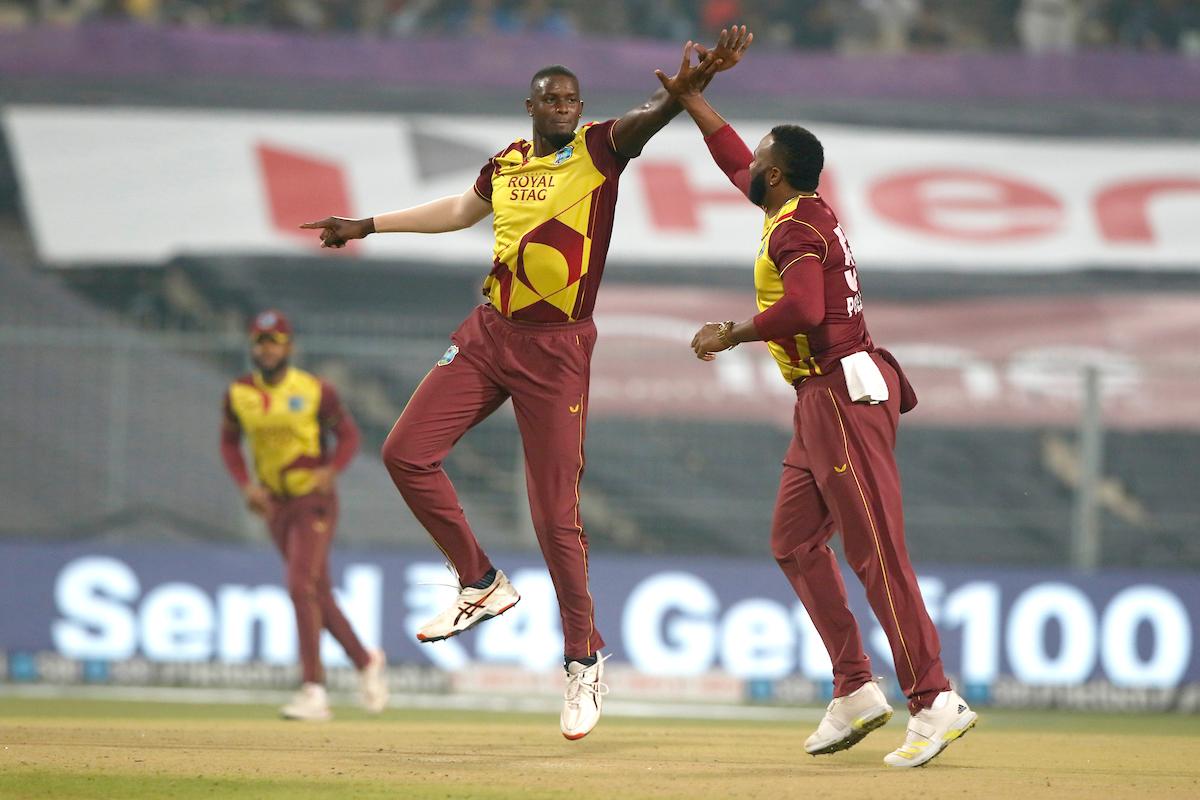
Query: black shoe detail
x,y
484,618
487,580
854,737
590,661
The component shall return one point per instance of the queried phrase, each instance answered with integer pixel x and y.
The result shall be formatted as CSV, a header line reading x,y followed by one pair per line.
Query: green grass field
x,y
101,749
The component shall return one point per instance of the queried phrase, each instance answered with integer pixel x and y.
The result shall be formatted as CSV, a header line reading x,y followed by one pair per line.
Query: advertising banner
x,y
681,617
994,361
141,186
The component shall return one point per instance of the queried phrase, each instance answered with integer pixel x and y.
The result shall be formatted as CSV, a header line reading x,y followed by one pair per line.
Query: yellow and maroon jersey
x,y
284,424
553,218
806,228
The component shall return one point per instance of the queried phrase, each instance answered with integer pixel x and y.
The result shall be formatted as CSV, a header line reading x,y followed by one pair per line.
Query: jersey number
x,y
841,234
854,303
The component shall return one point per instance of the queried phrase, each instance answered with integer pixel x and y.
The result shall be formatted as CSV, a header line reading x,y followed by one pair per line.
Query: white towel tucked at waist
x,y
864,381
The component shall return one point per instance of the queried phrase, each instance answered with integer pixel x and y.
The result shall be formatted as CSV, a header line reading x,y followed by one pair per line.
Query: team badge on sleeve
x,y
451,352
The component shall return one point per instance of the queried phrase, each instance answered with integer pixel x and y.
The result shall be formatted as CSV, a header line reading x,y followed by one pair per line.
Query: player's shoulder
x,y
302,378
515,152
810,213
242,395
597,128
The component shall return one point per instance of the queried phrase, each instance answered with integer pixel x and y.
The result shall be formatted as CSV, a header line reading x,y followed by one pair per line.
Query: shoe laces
x,y
456,586
577,685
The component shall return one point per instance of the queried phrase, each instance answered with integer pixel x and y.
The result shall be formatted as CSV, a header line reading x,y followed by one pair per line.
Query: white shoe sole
x,y
874,719
957,731
575,737
304,717
483,618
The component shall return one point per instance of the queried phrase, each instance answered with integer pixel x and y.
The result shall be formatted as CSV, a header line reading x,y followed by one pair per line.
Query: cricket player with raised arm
x,y
840,469
552,199
289,417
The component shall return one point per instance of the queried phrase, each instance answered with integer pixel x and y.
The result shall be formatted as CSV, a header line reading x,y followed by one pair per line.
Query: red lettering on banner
x,y
675,203
302,189
966,204
1121,209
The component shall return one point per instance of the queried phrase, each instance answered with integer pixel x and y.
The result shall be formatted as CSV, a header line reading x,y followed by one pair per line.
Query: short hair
x,y
546,72
800,155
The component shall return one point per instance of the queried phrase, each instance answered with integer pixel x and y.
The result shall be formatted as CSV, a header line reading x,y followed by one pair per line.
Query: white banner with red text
x,y
140,186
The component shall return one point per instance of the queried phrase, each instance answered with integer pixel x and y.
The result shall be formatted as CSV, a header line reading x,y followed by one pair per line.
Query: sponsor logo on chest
x,y
529,187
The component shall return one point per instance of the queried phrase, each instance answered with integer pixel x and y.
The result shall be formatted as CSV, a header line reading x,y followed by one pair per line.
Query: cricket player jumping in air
x,y
840,469
552,199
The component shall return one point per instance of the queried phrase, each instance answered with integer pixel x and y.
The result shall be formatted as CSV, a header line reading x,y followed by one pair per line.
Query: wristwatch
x,y
723,335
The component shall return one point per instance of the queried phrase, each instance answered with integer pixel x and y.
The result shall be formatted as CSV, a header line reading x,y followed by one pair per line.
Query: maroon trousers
x,y
302,528
545,369
840,473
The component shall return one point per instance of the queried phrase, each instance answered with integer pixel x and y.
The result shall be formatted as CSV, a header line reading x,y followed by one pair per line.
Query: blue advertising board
x,y
664,615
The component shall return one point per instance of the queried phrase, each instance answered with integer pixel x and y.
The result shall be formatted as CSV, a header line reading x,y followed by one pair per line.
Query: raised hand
x,y
336,231
731,46
690,79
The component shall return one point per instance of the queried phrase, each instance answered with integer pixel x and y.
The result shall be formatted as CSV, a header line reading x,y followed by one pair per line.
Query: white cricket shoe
x,y
849,719
583,698
931,729
310,704
372,683
471,607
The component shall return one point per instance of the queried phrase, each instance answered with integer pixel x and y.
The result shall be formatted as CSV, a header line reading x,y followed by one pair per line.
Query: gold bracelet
x,y
723,335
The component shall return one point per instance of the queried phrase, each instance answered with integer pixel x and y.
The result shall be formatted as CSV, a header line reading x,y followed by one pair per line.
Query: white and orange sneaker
x,y
372,683
849,719
932,729
471,607
583,698
310,704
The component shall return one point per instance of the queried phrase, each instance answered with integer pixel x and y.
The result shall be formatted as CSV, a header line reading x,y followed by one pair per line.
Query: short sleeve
x,y
793,240
483,184
603,150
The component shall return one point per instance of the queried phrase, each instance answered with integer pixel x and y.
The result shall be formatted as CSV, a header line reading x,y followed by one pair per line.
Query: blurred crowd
x,y
854,26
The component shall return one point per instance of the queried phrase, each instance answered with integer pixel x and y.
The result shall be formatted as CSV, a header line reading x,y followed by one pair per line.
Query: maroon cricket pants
x,y
302,528
840,473
545,369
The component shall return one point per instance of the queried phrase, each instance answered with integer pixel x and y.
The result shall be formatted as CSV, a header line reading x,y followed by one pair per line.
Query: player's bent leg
x,y
849,719
855,468
584,697
800,531
451,399
931,730
471,607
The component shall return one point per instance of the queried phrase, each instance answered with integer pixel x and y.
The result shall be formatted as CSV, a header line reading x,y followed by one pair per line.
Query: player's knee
x,y
302,588
399,456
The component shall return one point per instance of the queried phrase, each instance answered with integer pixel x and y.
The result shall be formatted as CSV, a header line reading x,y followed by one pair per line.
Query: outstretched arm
x,y
451,213
631,132
726,147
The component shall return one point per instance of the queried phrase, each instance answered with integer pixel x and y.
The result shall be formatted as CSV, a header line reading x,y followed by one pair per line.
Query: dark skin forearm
x,y
633,130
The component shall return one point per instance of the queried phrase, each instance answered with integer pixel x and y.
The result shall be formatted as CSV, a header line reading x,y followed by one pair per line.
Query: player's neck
x,y
544,147
780,196
273,377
